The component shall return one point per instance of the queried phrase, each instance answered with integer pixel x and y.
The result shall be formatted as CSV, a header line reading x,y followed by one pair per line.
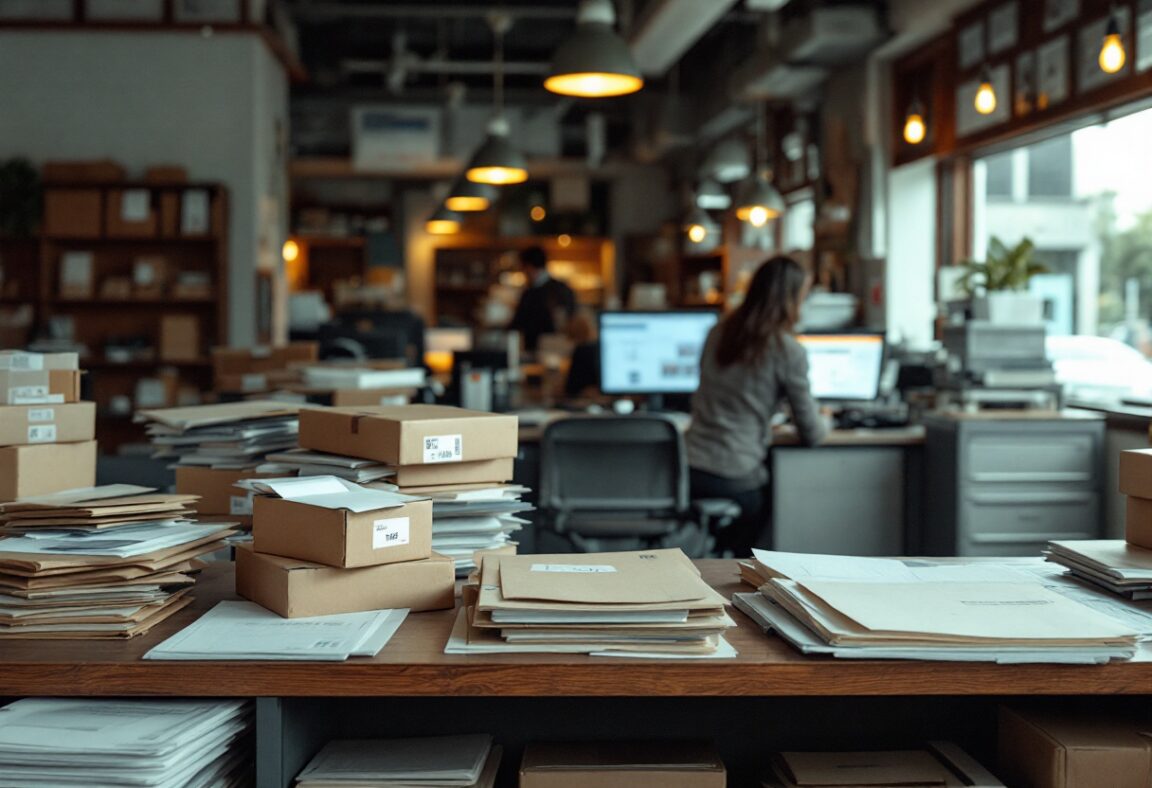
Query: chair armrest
x,y
715,513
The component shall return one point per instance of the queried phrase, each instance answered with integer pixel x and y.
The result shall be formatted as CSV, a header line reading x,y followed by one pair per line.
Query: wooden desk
x,y
768,697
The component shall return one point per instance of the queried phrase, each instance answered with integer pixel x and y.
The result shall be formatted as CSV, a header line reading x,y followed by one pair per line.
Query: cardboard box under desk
x,y
218,495
339,537
1136,473
295,588
26,471
656,764
1138,522
1056,749
28,424
20,386
478,472
410,434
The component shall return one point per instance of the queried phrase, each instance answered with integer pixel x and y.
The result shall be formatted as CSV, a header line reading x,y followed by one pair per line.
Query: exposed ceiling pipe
x,y
414,65
328,11
666,29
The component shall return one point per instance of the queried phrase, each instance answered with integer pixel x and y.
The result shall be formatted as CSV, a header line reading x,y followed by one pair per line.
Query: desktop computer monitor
x,y
652,353
844,367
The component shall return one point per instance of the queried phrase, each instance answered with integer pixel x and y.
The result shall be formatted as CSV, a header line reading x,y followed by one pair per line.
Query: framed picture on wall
x,y
1003,27
1059,12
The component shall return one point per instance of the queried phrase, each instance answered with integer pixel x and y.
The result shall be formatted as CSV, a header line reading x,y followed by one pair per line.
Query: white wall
x,y
909,302
207,103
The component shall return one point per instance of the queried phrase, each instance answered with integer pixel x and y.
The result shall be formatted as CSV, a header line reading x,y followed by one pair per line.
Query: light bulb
x,y
1112,55
985,102
442,227
697,233
497,176
291,251
914,128
758,216
466,203
564,239
538,213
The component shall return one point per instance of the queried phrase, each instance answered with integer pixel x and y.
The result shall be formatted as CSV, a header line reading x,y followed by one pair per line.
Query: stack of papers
x,y
233,435
467,519
244,630
331,377
1112,564
941,763
432,762
147,742
305,462
875,608
651,603
109,561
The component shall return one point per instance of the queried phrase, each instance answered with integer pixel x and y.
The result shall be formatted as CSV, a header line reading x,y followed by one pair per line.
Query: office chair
x,y
621,483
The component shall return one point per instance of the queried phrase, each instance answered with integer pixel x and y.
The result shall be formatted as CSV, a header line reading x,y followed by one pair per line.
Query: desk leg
x,y
270,744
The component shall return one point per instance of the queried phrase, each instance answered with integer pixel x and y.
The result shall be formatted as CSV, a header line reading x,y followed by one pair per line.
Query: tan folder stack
x,y
646,603
99,562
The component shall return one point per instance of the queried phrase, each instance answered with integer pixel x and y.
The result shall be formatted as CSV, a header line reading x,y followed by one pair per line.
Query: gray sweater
x,y
733,407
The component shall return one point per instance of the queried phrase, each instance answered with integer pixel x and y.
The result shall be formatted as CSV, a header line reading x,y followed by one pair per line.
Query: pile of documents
x,y
469,761
305,462
145,742
941,764
244,630
1111,564
876,608
108,561
343,377
651,603
227,435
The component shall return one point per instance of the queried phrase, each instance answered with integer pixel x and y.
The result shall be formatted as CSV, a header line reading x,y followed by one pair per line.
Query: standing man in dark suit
x,y
546,303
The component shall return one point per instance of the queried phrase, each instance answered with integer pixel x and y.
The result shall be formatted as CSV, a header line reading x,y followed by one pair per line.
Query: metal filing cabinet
x,y
1005,484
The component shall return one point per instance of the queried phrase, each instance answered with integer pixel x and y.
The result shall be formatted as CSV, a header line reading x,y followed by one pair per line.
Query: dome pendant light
x,y
443,222
1112,55
985,101
496,162
594,62
468,196
915,129
699,226
757,201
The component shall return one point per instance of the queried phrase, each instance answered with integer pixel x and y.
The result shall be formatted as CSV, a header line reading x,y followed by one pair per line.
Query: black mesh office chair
x,y
621,483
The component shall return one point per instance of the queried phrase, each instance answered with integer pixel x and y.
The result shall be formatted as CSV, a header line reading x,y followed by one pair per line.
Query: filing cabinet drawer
x,y
995,520
1025,457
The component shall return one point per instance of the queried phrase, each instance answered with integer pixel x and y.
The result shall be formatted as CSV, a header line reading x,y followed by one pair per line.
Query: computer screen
x,y
652,352
844,366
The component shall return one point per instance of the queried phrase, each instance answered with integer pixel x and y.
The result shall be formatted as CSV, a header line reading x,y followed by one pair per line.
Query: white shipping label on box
x,y
443,448
575,569
42,433
253,382
240,504
25,361
390,532
36,415
18,395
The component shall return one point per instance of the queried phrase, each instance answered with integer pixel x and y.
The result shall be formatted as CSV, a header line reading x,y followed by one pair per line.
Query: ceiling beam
x,y
334,11
668,28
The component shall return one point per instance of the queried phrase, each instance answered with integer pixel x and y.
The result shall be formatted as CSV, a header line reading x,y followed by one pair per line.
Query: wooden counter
x,y
413,664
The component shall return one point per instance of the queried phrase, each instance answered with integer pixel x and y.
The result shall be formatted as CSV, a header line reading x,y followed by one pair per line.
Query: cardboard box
x,y
248,369
72,213
166,173
295,588
410,434
20,359
479,472
179,338
339,537
94,171
1138,522
149,276
129,213
38,470
941,763
1136,473
249,383
31,386
217,494
28,424
1064,749
618,764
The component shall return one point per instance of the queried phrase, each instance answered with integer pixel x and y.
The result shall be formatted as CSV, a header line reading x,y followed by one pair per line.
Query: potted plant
x,y
998,285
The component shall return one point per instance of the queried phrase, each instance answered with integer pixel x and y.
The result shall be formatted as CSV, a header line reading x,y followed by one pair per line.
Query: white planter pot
x,y
1009,307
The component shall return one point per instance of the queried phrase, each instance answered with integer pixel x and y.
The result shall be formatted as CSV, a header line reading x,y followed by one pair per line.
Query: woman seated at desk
x,y
750,362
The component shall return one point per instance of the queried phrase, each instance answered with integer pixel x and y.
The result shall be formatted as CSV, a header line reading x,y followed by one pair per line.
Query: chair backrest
x,y
625,464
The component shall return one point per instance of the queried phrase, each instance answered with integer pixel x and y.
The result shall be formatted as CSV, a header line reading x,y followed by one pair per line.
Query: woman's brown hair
x,y
771,308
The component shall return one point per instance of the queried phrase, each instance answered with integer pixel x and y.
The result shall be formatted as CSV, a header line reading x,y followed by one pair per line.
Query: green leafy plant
x,y
1003,268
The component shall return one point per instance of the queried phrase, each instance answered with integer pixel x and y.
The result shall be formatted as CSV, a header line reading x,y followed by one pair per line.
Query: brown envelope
x,y
640,577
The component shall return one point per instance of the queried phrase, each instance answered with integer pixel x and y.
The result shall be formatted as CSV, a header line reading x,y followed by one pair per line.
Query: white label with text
x,y
240,504
575,569
42,433
41,414
390,532
443,448
22,361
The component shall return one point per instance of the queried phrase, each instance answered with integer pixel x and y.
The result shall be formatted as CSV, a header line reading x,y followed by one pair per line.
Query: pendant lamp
x,y
443,222
757,200
468,196
496,162
594,62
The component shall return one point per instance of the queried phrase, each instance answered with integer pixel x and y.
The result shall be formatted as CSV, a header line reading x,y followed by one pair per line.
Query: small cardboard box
x,y
340,537
72,213
478,472
410,434
38,470
87,171
179,338
1046,749
295,588
1138,522
248,383
22,360
618,764
1136,473
28,424
218,495
35,386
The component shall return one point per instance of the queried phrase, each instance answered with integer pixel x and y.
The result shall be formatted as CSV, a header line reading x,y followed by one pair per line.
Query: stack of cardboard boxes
x,y
259,369
1136,483
47,435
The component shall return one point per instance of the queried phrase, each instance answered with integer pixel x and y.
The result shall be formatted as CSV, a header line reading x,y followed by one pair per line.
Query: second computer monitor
x,y
844,367
652,352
